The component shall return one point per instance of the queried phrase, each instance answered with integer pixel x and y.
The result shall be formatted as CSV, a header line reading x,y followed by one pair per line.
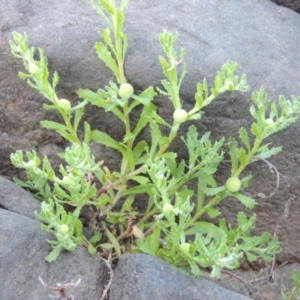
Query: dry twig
x,y
61,288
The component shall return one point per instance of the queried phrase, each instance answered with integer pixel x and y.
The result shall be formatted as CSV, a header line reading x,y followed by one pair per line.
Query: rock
x,y
16,199
23,248
261,36
141,277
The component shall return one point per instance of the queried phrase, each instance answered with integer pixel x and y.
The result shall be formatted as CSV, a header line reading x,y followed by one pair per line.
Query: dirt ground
x,y
259,285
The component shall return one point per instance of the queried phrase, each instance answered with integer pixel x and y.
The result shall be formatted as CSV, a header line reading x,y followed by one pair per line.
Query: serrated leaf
x,y
245,138
213,191
60,128
255,131
268,153
233,152
105,55
247,201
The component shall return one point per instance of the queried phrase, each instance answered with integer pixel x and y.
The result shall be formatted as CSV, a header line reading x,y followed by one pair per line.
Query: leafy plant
x,y
171,225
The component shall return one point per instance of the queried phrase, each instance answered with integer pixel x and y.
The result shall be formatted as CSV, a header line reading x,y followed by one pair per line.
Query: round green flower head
x,y
180,115
269,122
64,228
126,90
233,184
167,208
185,247
64,104
33,68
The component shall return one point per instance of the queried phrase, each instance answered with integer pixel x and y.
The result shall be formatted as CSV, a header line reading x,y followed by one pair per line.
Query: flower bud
x,y
180,115
269,122
185,248
233,184
126,90
167,208
64,104
33,68
64,228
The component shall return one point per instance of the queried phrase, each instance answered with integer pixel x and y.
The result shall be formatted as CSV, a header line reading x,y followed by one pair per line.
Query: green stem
x,y
172,135
256,146
204,209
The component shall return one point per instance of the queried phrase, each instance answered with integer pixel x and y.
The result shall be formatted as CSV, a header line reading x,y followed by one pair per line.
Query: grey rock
x,y
16,199
261,36
141,277
23,248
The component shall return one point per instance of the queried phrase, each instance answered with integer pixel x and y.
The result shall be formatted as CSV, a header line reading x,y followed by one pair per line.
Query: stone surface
x,y
23,248
261,36
141,277
16,199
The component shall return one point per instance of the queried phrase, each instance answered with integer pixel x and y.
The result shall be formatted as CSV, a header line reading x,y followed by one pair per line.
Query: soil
x,y
263,284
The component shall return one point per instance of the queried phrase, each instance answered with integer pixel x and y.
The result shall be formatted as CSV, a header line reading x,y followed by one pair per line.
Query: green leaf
x,y
256,131
107,6
268,153
139,189
213,212
123,4
247,201
105,55
141,179
92,250
245,138
151,244
91,96
195,269
52,256
79,110
104,139
205,228
233,152
97,236
243,158
59,128
213,191
114,242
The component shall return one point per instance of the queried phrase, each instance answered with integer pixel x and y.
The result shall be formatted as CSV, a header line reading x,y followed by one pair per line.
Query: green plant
x,y
295,291
170,226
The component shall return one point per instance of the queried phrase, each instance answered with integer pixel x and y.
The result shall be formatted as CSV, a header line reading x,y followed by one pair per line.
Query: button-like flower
x,y
167,208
